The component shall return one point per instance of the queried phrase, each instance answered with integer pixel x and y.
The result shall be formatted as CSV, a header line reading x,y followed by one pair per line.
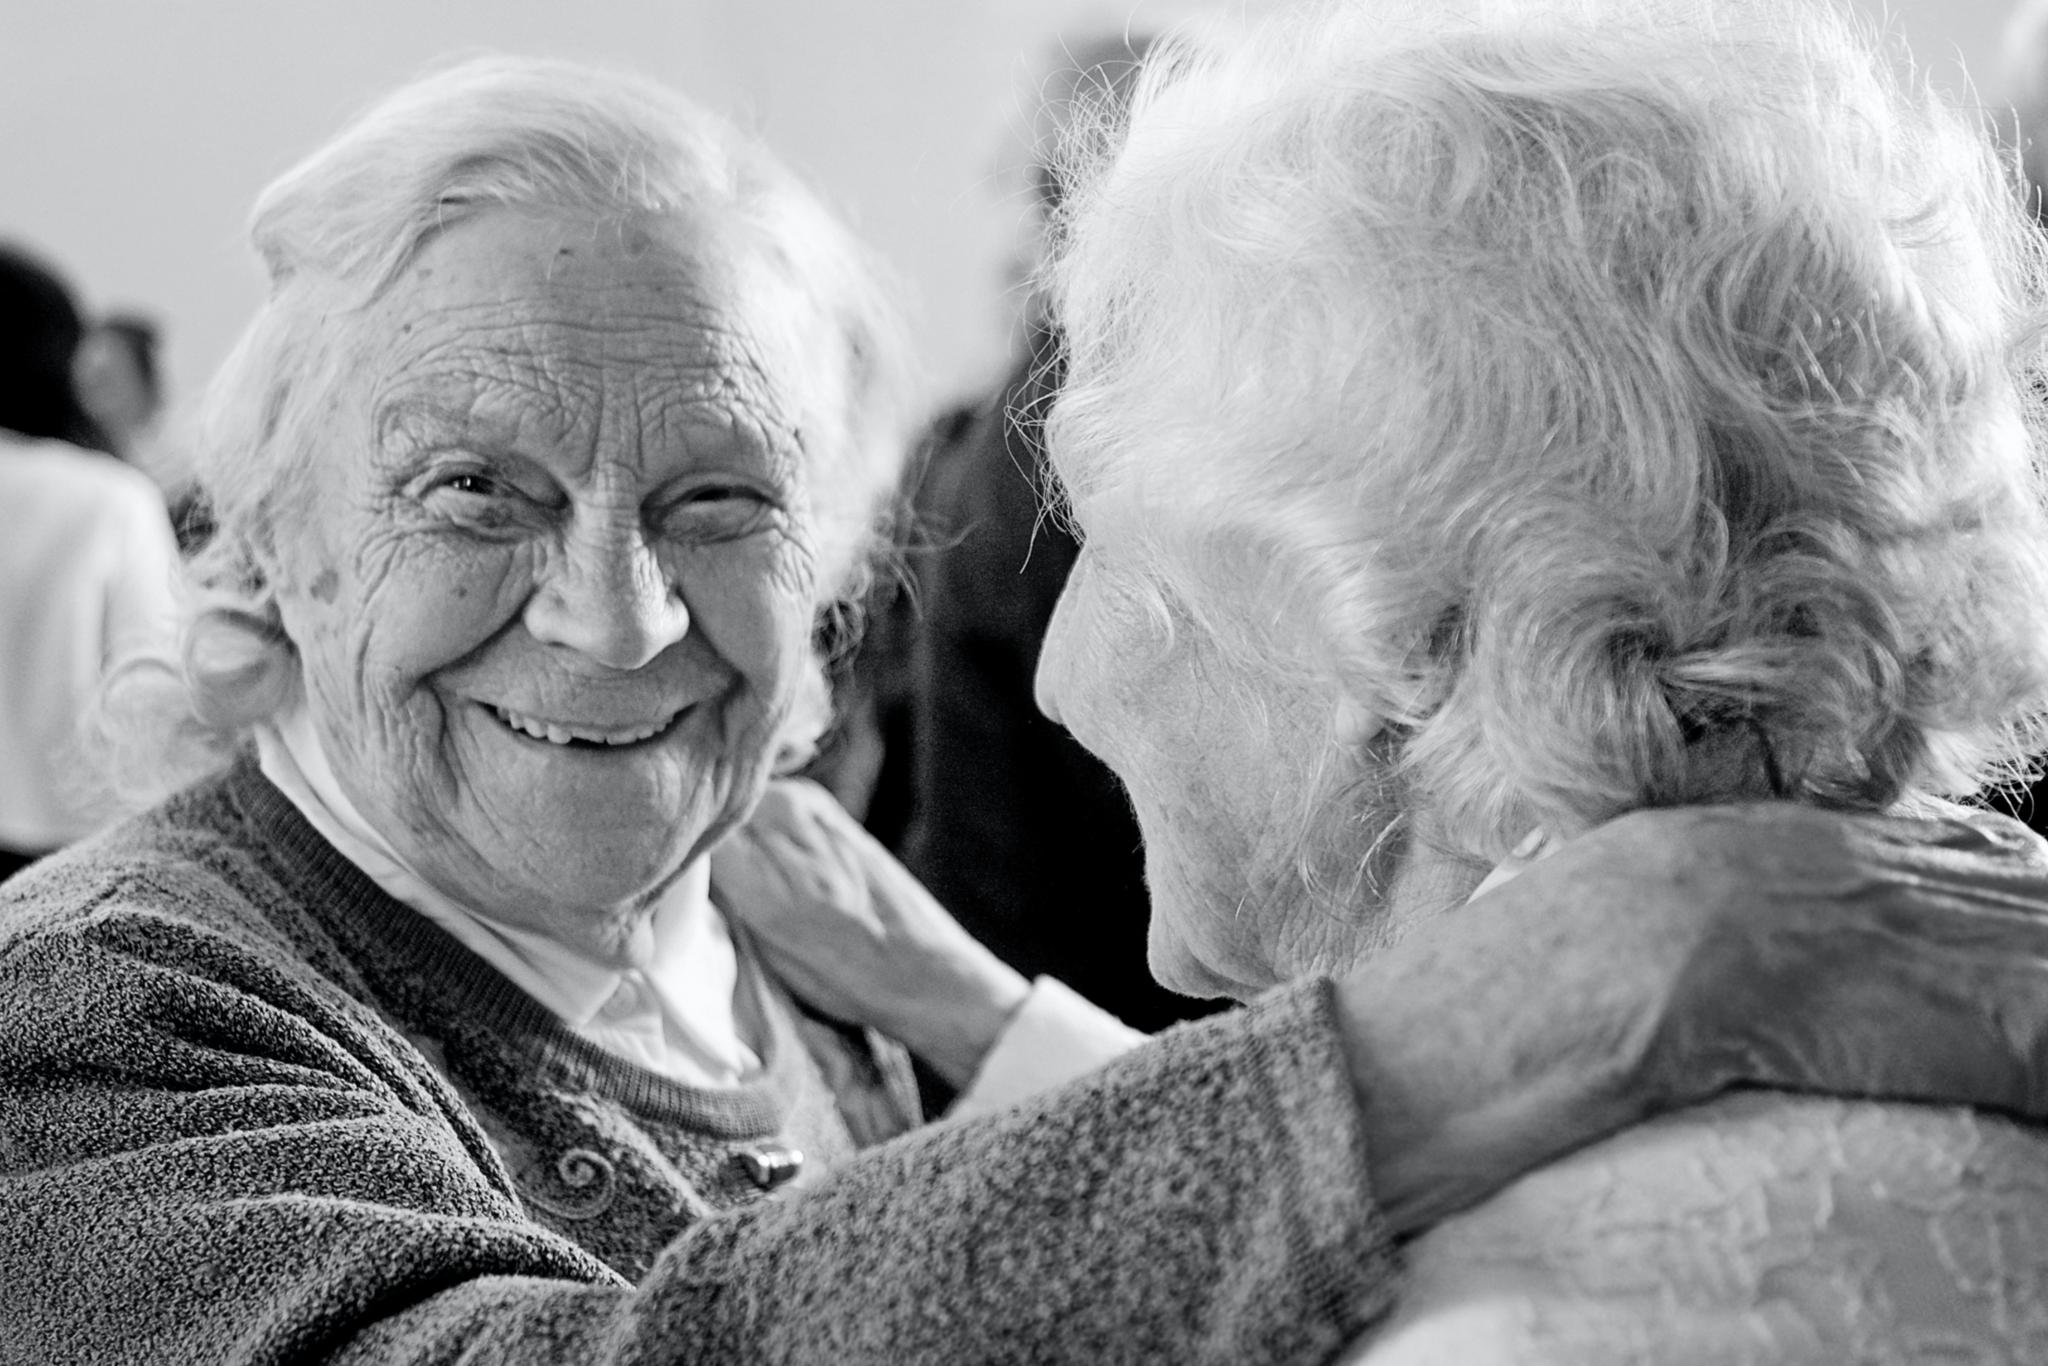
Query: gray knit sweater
x,y
252,1110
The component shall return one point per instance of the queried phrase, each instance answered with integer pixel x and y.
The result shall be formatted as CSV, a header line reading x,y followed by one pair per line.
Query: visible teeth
x,y
556,734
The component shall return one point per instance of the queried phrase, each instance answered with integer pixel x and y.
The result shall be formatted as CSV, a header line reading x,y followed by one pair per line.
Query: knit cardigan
x,y
252,1110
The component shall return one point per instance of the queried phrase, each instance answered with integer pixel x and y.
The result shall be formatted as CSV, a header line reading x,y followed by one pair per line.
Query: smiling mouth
x,y
584,737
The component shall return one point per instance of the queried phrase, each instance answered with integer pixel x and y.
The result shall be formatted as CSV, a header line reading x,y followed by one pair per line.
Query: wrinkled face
x,y
553,592
1219,761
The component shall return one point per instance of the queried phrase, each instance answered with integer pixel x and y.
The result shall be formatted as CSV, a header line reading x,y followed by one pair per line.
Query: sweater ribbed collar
x,y
432,983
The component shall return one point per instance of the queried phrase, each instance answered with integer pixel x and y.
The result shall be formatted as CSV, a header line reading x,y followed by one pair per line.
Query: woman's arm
x,y
207,1162
211,1159
1645,966
857,937
877,947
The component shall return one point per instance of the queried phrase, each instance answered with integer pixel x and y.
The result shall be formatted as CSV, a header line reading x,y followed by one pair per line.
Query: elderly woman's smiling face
x,y
553,581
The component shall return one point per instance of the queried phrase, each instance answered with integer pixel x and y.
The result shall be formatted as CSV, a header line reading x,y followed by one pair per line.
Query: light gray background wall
x,y
135,133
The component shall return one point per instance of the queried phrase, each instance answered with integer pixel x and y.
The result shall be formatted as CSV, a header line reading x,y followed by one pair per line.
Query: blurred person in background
x,y
116,377
419,1026
86,565
120,384
1020,831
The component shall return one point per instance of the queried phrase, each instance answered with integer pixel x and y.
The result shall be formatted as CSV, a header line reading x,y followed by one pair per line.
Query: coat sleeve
x,y
205,1162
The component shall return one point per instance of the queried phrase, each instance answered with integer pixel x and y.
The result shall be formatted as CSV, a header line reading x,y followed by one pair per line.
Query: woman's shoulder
x,y
180,944
193,864
1761,1227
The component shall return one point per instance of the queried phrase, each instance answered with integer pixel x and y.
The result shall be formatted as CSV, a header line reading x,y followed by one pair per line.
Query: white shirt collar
x,y
673,1013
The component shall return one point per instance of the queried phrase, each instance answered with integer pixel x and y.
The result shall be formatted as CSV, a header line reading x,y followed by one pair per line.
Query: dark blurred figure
x,y
40,330
86,564
1012,824
116,378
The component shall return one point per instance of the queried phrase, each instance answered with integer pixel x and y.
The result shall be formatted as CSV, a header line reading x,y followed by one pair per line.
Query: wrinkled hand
x,y
1898,958
857,936
1668,955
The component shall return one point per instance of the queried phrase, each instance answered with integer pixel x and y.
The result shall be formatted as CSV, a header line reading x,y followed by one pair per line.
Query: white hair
x,y
1591,390
336,230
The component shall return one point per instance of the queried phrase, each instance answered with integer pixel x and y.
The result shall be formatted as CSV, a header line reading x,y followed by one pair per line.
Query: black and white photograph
x,y
1047,682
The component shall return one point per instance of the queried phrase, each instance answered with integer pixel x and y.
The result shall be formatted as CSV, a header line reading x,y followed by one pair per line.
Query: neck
x,y
626,936
1428,880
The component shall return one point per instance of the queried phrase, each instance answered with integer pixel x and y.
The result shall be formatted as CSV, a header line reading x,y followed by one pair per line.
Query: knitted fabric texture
x,y
251,1110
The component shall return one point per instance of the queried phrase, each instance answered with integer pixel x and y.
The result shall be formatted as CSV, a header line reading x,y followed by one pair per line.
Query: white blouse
x,y
1759,1229
674,1012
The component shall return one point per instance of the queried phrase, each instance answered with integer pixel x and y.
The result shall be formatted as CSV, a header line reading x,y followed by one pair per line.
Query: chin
x,y
594,871
1178,969
573,884
1179,961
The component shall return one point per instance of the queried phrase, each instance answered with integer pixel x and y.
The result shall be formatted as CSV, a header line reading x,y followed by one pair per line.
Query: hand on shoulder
x,y
857,936
1671,954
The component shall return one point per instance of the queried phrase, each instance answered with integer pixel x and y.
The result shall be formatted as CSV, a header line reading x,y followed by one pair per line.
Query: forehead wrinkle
x,y
671,361
464,402
467,342
723,385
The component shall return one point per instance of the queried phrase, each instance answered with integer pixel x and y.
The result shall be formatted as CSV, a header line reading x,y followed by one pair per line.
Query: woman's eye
x,y
716,512
479,485
476,498
465,484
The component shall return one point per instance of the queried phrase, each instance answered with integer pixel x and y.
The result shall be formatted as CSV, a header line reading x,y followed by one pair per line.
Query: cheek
x,y
754,604
372,629
433,604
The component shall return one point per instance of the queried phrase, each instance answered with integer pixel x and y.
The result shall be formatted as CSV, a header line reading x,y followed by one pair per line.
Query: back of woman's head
x,y
1626,400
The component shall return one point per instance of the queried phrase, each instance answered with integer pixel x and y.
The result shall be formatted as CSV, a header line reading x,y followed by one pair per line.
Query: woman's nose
x,y
610,600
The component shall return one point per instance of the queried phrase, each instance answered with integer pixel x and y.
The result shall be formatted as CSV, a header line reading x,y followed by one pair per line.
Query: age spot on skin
x,y
326,585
